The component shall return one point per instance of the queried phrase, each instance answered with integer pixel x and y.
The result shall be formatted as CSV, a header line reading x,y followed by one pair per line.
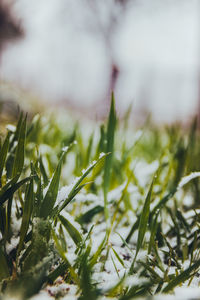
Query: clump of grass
x,y
110,212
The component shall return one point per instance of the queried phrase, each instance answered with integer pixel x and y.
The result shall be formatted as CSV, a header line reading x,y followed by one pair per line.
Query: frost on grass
x,y
86,251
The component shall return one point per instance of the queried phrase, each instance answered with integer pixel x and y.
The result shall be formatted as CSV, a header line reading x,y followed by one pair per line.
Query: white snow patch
x,y
115,194
188,178
12,245
11,127
143,171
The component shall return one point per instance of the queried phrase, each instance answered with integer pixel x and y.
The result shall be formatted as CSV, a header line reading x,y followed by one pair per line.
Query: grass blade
x,y
71,229
3,154
118,258
87,217
7,193
28,208
82,180
182,277
19,155
51,194
109,148
144,218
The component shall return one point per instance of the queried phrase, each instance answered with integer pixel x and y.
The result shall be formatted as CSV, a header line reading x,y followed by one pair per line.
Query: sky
x,y
70,46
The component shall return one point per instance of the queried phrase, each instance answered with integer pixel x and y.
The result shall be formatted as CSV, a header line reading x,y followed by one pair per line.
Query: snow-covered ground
x,y
64,56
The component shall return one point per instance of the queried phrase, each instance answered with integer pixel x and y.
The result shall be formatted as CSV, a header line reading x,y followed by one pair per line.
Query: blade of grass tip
x,y
17,131
95,172
89,150
43,172
115,266
125,244
7,193
87,216
118,257
109,148
182,277
71,229
38,198
3,154
19,155
101,144
144,218
80,249
27,212
52,192
180,157
12,148
38,195
133,229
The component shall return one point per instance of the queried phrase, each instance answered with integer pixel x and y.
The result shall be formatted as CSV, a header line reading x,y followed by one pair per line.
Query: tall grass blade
x,y
19,155
109,148
71,229
51,194
27,212
3,154
87,216
144,218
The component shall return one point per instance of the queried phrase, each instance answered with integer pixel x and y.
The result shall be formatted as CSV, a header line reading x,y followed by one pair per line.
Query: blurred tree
x,y
115,10
9,27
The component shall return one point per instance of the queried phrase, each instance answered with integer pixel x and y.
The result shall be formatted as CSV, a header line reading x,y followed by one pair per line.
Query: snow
x,y
64,149
116,193
188,178
144,171
12,245
11,127
63,193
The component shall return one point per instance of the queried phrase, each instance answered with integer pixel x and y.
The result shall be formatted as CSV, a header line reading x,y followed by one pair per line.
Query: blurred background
x,y
73,53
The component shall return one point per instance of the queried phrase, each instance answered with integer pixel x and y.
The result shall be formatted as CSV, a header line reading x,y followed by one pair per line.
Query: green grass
x,y
122,203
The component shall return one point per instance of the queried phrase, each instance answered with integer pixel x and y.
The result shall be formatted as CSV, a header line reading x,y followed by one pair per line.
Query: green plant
x,y
110,214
